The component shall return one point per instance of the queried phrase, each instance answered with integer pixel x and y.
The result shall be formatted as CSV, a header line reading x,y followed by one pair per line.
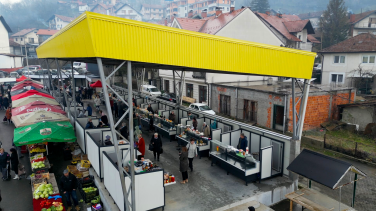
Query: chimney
x,y
267,13
232,8
218,11
165,22
190,14
352,18
204,13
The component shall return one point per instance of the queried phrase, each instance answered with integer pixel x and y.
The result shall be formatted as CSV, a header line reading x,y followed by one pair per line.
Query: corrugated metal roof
x,y
114,39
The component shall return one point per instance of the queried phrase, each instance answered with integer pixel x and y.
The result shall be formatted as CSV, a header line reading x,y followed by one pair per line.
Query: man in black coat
x,y
124,130
4,161
157,145
68,184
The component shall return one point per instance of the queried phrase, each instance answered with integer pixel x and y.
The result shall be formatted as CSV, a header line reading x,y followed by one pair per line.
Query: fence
x,y
352,148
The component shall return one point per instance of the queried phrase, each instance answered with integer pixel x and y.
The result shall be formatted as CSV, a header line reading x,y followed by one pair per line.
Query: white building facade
x,y
7,60
128,12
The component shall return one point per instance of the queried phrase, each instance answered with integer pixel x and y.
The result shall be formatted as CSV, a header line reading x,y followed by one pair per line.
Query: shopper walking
x,y
192,152
8,114
68,184
14,162
157,146
141,145
194,123
5,103
4,162
97,102
206,130
184,164
1,102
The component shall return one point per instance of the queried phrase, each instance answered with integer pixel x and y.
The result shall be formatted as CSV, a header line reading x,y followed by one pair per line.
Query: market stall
x,y
81,129
149,185
184,136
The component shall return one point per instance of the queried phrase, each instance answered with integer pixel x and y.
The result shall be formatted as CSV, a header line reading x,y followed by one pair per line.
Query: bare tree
x,y
361,78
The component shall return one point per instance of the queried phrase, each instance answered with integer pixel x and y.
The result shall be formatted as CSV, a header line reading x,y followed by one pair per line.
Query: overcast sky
x,y
9,1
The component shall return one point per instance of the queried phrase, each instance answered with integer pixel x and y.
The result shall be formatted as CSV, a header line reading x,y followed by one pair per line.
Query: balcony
x,y
365,26
199,75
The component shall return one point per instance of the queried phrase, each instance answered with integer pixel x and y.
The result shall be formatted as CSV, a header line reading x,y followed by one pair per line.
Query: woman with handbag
x,y
14,162
141,145
192,152
157,146
184,164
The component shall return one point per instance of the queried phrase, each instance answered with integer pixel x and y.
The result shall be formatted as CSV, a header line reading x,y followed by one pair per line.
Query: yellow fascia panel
x,y
125,39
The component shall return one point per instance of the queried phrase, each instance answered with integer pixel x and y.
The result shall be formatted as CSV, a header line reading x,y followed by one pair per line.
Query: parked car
x,y
168,96
14,75
150,90
19,71
77,65
2,75
53,72
67,66
317,67
42,72
202,107
27,72
69,72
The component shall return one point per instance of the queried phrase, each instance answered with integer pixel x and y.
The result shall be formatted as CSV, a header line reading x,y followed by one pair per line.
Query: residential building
x,y
359,113
314,17
106,9
82,7
44,34
16,48
349,61
126,11
26,36
363,23
181,8
58,22
270,106
242,24
7,59
152,12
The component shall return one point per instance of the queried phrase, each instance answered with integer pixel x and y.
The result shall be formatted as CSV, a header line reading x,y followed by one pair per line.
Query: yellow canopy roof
x,y
115,39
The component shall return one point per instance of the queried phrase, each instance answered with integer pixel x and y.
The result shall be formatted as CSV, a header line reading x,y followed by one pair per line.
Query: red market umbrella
x,y
27,83
21,78
30,93
37,106
97,84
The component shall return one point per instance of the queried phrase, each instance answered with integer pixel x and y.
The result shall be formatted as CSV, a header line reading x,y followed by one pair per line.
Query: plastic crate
x,y
88,197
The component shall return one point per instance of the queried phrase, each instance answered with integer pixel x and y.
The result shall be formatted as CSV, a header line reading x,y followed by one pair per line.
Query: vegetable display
x,y
38,165
43,191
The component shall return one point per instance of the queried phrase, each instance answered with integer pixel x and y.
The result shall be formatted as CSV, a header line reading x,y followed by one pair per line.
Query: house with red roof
x,y
44,34
364,22
26,36
106,9
341,62
58,22
126,11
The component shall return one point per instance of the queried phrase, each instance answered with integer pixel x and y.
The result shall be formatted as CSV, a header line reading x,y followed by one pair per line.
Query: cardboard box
x,y
71,168
77,173
84,157
76,157
85,164
85,173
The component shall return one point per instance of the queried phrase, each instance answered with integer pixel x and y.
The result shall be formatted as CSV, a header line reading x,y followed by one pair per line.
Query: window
x,y
21,39
123,11
339,59
368,59
337,78
224,104
167,86
31,40
250,111
189,90
16,39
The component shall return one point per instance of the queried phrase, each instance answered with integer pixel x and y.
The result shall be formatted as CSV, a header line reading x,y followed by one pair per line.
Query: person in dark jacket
x,y
243,142
184,164
68,184
89,124
124,130
134,102
108,141
157,145
4,161
14,162
150,109
194,123
78,99
89,110
1,102
172,116
2,90
5,102
116,109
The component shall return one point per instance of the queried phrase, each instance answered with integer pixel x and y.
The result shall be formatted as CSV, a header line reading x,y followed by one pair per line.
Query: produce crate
x,y
76,157
85,163
77,173
87,197
85,182
71,168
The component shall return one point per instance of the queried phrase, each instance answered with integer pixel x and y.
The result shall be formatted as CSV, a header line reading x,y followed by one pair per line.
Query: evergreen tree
x,y
334,23
260,6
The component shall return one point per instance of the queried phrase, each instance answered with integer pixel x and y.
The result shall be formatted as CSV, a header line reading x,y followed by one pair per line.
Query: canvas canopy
x,y
22,90
28,79
27,100
97,84
26,83
44,132
21,78
30,93
37,106
37,116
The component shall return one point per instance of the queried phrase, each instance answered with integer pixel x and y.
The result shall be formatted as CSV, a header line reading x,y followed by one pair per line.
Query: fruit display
x,y
56,206
89,190
89,194
96,200
38,165
36,156
36,148
43,191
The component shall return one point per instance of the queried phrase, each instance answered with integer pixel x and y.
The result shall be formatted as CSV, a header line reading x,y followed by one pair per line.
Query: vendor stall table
x,y
36,203
52,181
42,170
203,151
164,130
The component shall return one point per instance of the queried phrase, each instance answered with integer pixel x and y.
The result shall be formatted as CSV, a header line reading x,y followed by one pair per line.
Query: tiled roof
x,y
190,24
65,18
312,39
46,32
23,32
354,18
12,43
361,43
214,24
285,24
310,15
153,6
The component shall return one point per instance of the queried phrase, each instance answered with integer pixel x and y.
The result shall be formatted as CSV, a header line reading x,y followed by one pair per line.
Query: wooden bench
x,y
188,99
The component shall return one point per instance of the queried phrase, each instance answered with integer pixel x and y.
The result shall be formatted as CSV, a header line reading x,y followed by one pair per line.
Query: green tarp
x,y
44,132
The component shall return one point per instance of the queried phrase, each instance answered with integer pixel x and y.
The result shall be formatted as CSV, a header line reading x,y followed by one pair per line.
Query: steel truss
x,y
178,86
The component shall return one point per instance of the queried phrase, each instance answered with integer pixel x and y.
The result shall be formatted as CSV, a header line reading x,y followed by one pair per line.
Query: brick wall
x,y
318,109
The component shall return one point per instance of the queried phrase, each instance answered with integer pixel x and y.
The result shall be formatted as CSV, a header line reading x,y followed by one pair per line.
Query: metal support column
x,y
303,107
64,92
293,109
49,77
73,86
178,88
174,83
354,190
129,206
